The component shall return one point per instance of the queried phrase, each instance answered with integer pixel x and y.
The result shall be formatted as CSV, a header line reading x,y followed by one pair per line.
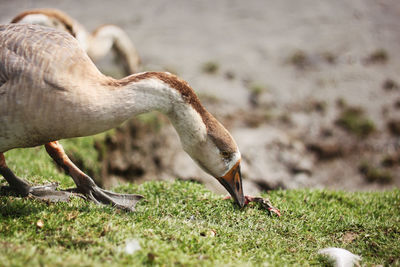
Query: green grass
x,y
182,223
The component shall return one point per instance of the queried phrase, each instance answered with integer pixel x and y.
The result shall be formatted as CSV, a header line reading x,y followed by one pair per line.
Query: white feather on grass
x,y
131,246
341,257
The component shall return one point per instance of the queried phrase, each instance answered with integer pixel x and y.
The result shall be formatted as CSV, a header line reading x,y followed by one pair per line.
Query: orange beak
x,y
232,181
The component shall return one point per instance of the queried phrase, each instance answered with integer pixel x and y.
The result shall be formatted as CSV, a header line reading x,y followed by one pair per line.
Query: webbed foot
x,y
24,189
49,193
86,186
42,192
101,196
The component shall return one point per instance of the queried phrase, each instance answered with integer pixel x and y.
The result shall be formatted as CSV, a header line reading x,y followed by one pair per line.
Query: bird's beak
x,y
232,181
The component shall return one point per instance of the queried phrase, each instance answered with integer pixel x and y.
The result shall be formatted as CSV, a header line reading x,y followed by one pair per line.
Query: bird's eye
x,y
225,154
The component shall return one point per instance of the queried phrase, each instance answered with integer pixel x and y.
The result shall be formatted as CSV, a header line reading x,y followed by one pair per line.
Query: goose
x,y
97,44
51,90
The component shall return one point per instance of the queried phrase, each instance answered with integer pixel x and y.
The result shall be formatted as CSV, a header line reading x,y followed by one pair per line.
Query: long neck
x,y
165,93
108,37
201,135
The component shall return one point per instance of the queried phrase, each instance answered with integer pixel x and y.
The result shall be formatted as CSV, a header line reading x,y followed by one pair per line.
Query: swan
x,y
97,44
51,90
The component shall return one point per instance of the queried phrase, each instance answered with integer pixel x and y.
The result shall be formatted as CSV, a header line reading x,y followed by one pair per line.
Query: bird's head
x,y
218,155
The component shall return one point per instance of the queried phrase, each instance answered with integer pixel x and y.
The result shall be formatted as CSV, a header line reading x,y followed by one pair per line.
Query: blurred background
x,y
310,90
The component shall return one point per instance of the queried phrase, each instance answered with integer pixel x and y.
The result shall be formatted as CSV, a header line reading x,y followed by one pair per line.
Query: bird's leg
x,y
17,184
23,188
86,186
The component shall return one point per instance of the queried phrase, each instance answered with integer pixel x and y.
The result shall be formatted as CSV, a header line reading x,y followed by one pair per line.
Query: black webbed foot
x,y
100,196
49,193
42,192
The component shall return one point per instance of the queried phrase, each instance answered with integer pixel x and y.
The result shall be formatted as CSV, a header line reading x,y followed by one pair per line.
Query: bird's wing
x,y
42,55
